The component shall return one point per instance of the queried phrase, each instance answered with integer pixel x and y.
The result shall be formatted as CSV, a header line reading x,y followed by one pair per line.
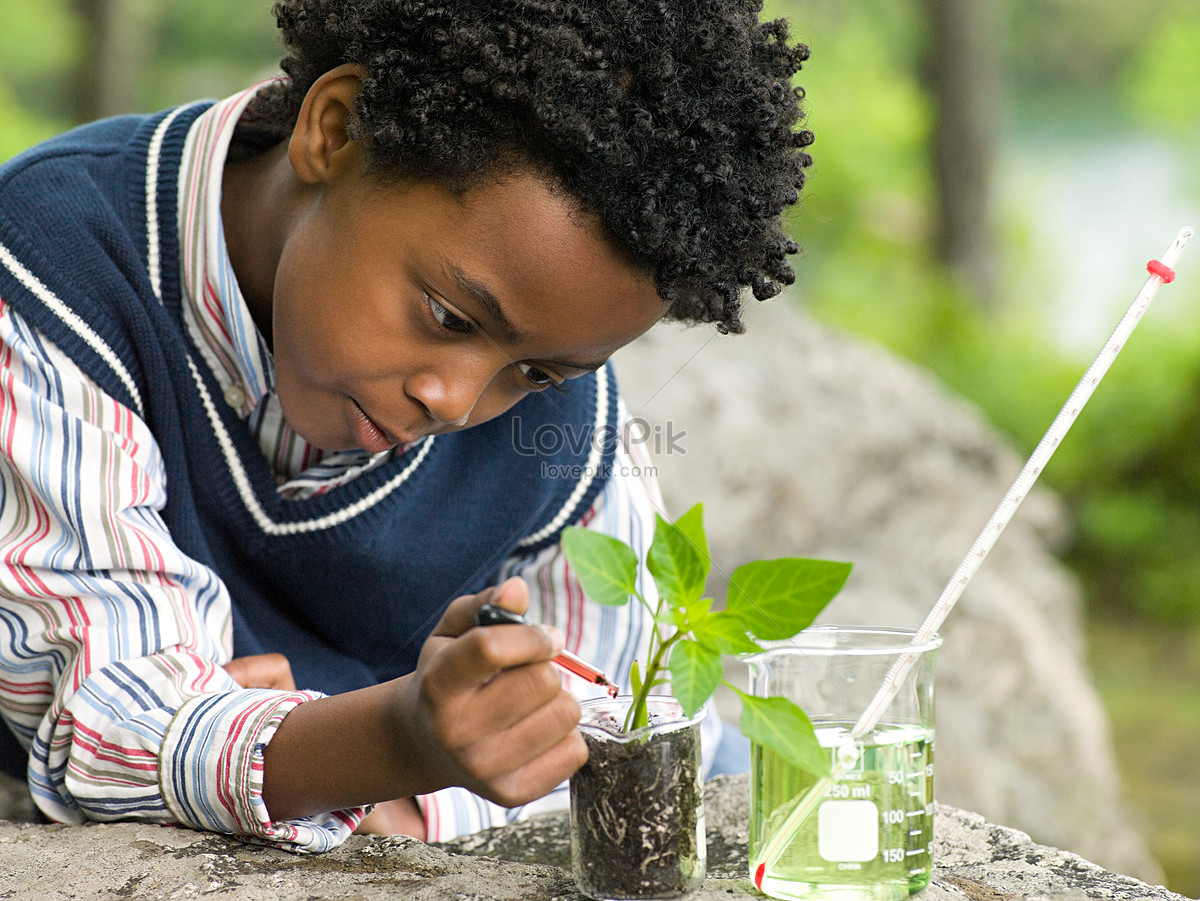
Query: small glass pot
x,y
637,812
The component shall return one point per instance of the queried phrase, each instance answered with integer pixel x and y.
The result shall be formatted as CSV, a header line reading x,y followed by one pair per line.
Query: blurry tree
x,y
111,57
68,61
961,69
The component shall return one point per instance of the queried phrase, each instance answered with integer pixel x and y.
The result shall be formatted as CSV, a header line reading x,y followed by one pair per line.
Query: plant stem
x,y
653,613
638,715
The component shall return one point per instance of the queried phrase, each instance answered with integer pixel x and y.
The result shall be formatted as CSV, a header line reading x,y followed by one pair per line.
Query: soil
x,y
638,817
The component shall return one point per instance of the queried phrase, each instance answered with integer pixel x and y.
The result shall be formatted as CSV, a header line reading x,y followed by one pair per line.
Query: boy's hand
x,y
262,671
399,817
485,708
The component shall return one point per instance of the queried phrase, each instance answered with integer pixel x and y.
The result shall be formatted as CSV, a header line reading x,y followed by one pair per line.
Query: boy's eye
x,y
539,378
451,322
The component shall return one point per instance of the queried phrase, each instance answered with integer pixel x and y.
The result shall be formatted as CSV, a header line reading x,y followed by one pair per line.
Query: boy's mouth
x,y
370,436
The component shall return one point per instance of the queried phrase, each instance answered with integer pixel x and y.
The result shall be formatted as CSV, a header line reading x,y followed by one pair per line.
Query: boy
x,y
271,370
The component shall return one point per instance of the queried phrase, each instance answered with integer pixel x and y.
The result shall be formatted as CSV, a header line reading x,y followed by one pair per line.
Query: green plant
x,y
769,600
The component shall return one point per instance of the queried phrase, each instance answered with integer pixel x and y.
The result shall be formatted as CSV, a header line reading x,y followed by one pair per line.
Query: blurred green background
x,y
990,180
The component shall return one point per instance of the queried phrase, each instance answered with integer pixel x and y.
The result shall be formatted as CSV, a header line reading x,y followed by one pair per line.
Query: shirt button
x,y
235,397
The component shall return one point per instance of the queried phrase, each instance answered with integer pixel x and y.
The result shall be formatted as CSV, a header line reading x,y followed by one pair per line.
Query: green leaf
x,y
775,599
675,562
635,677
606,567
698,610
781,726
683,618
691,524
695,674
724,633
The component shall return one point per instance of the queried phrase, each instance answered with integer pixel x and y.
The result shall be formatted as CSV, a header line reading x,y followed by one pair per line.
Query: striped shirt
x,y
112,640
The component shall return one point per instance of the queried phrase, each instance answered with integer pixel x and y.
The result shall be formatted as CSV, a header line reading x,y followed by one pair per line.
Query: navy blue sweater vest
x,y
347,584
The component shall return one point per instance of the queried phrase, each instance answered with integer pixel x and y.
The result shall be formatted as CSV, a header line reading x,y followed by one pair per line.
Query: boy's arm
x,y
484,709
110,637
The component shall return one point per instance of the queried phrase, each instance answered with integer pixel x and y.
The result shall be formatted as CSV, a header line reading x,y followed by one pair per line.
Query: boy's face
x,y
405,311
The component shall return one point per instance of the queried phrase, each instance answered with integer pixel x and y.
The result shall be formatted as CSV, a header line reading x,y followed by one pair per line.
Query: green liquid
x,y
869,838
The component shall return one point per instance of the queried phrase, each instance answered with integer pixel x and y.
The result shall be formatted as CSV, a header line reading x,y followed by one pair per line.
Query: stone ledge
x,y
975,860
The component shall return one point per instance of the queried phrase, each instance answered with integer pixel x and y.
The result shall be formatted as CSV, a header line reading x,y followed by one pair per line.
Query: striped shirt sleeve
x,y
609,637
110,637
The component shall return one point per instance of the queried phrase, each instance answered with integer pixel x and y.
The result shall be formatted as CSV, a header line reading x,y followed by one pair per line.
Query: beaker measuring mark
x,y
856,790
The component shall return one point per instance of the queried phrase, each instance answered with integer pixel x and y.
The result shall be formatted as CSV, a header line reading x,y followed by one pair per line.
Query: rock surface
x,y
134,862
804,442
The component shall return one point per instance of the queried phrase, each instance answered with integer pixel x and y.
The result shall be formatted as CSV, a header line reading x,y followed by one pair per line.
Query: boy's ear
x,y
321,145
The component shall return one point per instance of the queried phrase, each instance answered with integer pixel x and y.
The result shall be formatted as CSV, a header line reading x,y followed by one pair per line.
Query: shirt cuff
x,y
211,769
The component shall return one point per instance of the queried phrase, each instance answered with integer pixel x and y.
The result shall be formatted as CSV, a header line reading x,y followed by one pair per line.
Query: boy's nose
x,y
450,397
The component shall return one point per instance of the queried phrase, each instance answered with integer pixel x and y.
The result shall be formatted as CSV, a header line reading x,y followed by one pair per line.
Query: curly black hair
x,y
674,122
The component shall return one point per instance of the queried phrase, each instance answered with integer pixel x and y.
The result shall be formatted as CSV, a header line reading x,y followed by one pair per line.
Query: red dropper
x,y
490,615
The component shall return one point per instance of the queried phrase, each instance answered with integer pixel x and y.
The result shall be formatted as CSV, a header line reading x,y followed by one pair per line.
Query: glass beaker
x,y
870,836
637,811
